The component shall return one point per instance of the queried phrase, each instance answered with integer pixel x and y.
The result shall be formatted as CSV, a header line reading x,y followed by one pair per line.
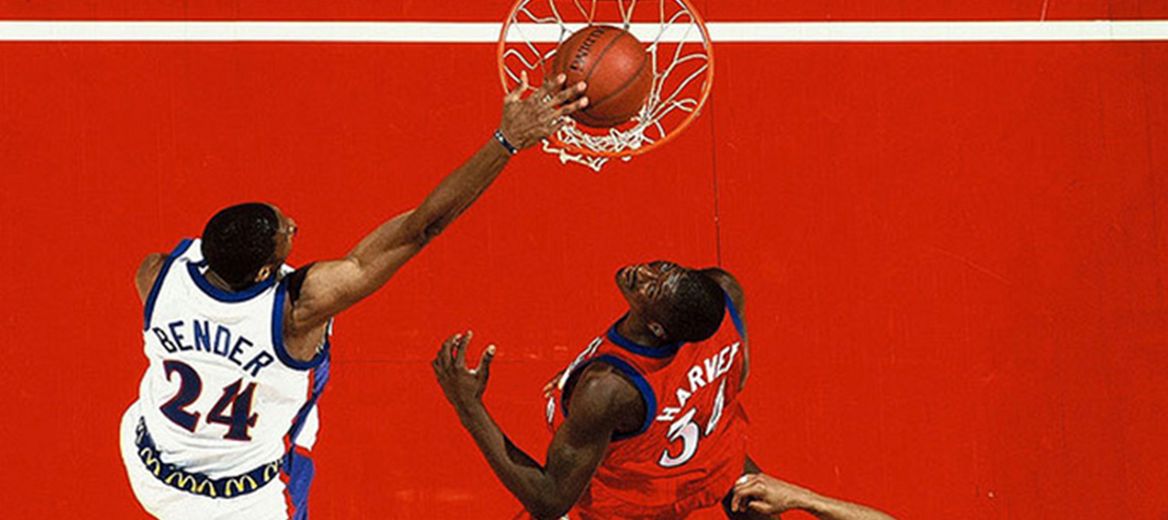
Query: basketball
x,y
616,68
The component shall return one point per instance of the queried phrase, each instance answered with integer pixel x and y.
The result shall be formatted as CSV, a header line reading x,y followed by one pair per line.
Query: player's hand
x,y
767,495
527,120
463,387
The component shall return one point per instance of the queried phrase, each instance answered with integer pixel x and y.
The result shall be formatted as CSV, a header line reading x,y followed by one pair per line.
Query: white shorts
x,y
274,501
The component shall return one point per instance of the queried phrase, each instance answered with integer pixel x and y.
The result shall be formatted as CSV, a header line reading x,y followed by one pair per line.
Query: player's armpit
x,y
147,273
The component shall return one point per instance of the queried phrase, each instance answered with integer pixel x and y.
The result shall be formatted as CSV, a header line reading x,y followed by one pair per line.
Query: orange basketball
x,y
617,69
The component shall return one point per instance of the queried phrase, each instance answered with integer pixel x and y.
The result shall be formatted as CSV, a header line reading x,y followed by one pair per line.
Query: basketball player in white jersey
x,y
238,342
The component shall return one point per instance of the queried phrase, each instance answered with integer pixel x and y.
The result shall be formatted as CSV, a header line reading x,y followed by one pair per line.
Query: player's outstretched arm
x,y
576,450
333,286
769,495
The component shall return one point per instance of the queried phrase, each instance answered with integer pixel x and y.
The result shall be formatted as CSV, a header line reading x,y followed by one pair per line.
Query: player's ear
x,y
657,329
264,273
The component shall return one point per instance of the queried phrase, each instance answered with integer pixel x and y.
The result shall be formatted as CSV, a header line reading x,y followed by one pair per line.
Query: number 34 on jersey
x,y
683,427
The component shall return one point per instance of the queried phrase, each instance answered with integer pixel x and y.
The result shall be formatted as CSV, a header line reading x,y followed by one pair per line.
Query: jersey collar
x,y
661,352
224,296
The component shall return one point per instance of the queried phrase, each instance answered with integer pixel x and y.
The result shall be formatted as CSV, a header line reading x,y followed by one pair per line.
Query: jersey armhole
x,y
148,310
278,333
734,316
635,377
296,282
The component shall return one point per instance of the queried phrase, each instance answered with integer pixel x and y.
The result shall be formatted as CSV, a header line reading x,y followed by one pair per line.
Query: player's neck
x,y
633,330
217,281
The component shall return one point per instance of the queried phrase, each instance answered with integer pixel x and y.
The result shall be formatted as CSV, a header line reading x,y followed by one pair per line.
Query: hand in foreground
x,y
771,496
767,495
463,387
528,120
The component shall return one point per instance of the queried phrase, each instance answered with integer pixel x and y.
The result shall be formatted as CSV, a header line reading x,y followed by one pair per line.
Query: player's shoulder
x,y
728,283
151,267
147,273
602,389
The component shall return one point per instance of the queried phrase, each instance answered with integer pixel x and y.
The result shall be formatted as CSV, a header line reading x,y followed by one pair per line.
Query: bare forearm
x,y
334,286
384,250
446,202
458,191
576,450
826,508
522,475
525,122
769,495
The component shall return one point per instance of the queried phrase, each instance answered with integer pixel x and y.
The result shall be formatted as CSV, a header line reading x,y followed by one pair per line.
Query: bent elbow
x,y
416,226
551,508
549,513
430,232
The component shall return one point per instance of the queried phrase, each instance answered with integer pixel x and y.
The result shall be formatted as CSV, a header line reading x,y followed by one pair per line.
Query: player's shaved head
x,y
694,307
239,240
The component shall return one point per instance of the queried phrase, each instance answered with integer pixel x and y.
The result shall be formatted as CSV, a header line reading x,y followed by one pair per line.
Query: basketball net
x,y
675,38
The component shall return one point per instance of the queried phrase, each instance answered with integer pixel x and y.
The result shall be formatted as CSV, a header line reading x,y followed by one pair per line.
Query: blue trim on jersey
x,y
661,352
157,287
734,316
226,296
320,377
300,471
278,335
646,391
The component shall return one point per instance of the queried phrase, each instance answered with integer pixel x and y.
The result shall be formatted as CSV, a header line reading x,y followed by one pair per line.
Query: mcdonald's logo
x,y
207,484
271,471
187,482
238,485
152,463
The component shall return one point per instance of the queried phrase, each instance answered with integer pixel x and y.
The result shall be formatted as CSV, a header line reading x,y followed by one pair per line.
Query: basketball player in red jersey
x,y
647,424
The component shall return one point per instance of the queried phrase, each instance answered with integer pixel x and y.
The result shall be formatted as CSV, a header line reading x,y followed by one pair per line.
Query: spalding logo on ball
x,y
616,68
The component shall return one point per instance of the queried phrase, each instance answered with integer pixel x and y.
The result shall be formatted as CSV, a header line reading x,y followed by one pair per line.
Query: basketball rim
x,y
701,97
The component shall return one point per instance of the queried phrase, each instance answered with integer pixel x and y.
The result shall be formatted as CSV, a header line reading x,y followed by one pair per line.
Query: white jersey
x,y
222,396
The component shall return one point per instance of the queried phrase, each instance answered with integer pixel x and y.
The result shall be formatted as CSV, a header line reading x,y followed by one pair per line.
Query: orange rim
x,y
501,47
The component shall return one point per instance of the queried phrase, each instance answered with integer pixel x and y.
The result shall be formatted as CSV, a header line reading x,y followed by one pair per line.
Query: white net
x,y
675,39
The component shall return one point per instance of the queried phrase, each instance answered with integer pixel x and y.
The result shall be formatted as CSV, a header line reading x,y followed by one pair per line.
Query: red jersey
x,y
691,446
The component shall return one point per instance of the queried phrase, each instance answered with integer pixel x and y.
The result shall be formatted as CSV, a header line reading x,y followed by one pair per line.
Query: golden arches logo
x,y
188,482
152,463
209,485
236,485
271,471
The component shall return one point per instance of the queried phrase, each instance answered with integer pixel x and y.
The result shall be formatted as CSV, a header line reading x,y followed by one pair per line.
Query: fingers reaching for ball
x,y
550,87
517,93
571,99
569,93
527,120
